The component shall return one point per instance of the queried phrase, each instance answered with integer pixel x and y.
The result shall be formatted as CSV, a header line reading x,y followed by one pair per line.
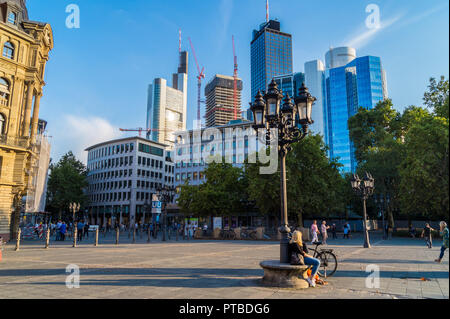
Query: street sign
x,y
156,207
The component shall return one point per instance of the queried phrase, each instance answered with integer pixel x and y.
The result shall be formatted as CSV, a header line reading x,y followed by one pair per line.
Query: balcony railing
x,y
21,142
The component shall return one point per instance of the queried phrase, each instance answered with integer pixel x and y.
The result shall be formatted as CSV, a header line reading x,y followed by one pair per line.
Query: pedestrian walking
x,y
427,235
347,230
333,231
62,231
324,228
80,227
314,232
445,236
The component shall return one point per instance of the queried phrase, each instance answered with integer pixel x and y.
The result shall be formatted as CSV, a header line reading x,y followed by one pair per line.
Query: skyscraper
x,y
219,93
271,55
290,83
315,82
359,83
167,106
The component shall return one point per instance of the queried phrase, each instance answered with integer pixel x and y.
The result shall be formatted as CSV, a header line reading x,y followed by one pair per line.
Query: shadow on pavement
x,y
394,274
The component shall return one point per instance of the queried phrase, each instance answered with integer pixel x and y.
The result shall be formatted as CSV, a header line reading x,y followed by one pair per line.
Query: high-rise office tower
x,y
219,94
271,55
337,57
315,82
167,106
290,83
359,83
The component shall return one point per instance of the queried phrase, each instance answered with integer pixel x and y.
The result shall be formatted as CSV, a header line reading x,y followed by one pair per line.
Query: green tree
x,y
223,193
314,184
67,182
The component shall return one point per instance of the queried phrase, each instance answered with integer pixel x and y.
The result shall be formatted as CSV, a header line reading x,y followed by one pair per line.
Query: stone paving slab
x,y
214,270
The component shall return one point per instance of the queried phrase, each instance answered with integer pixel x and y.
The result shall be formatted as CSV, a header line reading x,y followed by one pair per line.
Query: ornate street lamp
x,y
364,188
166,195
268,113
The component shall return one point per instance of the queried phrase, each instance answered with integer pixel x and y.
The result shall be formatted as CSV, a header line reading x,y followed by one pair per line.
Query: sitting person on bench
x,y
297,245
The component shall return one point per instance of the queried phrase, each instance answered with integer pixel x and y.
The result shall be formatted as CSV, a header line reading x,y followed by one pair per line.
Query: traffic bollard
x,y
117,236
74,234
149,234
47,239
96,238
134,236
19,232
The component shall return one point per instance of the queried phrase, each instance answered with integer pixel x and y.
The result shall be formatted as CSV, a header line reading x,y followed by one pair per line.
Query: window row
x,y
190,176
111,162
111,174
111,150
108,197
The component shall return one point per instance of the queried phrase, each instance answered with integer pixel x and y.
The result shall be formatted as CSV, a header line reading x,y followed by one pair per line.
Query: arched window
x,y
2,124
4,88
12,17
8,50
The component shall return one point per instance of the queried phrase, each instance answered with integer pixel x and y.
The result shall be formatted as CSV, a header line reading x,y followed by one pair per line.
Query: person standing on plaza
x,y
63,230
80,227
427,234
314,232
333,231
86,230
346,230
324,228
445,236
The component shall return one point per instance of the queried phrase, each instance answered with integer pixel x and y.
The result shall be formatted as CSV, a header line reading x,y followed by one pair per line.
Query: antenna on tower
x,y
179,40
267,10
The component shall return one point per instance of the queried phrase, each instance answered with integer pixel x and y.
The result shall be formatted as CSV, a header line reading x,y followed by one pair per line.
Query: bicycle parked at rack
x,y
227,234
328,260
248,234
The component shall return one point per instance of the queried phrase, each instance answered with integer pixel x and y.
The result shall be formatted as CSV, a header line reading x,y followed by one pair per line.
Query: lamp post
x,y
291,122
166,195
364,188
74,208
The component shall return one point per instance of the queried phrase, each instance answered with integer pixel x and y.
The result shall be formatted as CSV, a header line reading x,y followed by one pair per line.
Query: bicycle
x,y
328,260
227,234
248,233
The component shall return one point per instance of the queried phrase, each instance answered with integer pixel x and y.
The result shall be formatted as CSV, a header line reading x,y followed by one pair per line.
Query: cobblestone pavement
x,y
200,269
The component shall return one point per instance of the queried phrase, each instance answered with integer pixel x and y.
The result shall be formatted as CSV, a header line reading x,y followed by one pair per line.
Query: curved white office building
x,y
337,57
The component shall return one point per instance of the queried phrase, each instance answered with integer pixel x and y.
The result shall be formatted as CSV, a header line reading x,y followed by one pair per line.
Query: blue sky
x,y
98,75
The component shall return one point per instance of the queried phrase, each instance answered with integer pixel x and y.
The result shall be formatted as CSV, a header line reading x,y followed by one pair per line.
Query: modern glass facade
x,y
360,83
271,55
290,83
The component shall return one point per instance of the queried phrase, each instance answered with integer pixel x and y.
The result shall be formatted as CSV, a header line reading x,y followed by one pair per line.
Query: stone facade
x,y
25,47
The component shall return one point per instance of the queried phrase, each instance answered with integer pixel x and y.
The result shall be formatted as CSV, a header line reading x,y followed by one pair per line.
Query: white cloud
x,y
76,133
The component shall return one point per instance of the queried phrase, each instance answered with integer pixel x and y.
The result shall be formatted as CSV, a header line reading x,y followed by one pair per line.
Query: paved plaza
x,y
211,269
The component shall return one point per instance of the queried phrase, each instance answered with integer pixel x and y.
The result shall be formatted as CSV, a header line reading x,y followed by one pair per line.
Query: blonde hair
x,y
297,238
443,224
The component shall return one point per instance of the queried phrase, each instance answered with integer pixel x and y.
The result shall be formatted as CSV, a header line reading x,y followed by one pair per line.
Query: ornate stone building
x,y
25,47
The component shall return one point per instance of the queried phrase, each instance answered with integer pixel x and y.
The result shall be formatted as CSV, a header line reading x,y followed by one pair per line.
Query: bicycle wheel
x,y
328,264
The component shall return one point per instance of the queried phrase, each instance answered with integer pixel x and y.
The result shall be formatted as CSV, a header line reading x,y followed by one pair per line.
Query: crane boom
x,y
200,77
235,80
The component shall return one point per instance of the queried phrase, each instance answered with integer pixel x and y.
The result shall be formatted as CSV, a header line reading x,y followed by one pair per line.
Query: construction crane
x,y
140,130
235,75
200,77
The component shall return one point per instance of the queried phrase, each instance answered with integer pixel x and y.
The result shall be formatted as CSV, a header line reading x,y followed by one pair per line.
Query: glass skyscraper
x,y
360,83
271,55
290,83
